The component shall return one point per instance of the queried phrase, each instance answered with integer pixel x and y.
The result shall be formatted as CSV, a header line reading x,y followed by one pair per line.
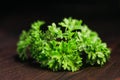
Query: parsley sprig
x,y
59,49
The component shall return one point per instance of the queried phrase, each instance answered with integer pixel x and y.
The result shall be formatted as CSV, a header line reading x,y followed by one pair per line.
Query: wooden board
x,y
12,69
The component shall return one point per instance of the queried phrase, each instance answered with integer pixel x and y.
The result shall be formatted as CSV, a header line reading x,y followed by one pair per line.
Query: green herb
x,y
66,46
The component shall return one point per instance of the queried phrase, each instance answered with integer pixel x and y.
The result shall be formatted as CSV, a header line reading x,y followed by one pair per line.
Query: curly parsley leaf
x,y
59,49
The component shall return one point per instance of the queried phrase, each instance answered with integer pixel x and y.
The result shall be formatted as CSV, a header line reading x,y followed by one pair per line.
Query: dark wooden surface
x,y
12,69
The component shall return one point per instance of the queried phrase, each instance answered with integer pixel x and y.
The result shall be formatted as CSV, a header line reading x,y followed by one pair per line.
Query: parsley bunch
x,y
67,45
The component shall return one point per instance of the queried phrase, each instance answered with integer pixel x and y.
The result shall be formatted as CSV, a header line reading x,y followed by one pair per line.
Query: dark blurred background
x,y
102,16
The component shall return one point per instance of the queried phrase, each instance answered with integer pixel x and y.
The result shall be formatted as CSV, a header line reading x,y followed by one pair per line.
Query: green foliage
x,y
59,49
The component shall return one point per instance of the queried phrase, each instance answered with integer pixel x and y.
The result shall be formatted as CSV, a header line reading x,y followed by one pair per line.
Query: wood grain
x,y
11,68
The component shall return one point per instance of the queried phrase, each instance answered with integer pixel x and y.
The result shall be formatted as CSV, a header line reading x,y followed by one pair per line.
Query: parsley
x,y
59,49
